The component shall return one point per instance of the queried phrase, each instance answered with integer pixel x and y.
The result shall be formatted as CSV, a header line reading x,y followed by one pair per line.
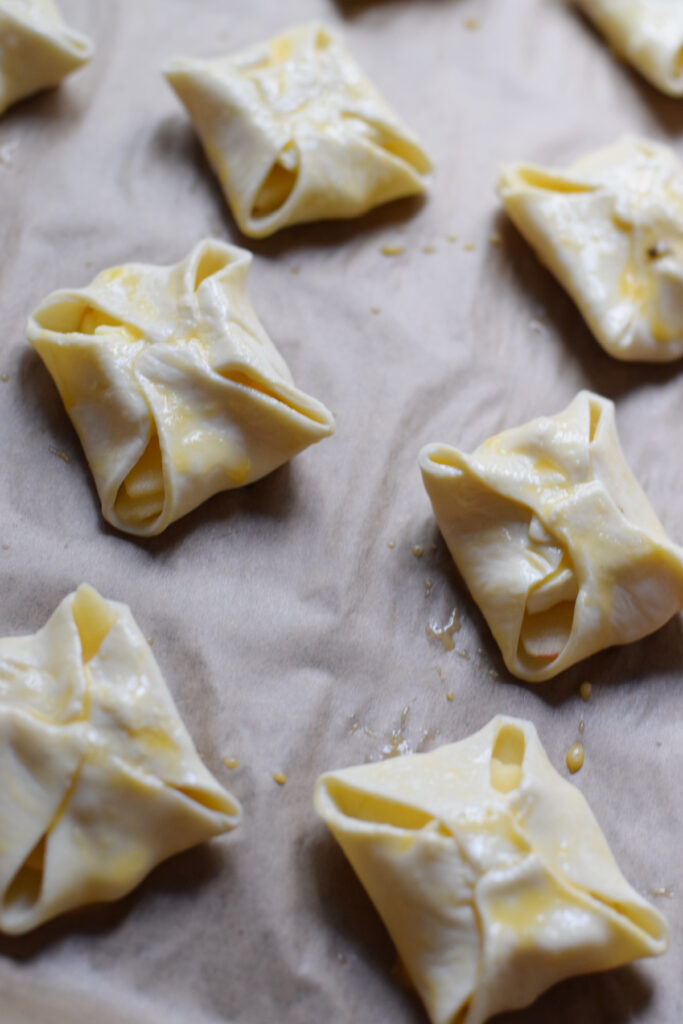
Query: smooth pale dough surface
x,y
37,49
296,132
172,384
647,33
610,228
99,779
556,540
489,871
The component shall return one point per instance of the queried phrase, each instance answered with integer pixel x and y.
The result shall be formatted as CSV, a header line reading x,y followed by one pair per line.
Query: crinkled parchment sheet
x,y
289,618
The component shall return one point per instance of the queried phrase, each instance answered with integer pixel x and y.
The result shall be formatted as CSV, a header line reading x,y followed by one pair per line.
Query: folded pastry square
x,y
296,132
99,779
647,33
172,384
610,228
37,49
489,870
555,539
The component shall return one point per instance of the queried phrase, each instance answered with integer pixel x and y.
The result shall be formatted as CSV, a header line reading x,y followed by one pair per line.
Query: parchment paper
x,y
289,618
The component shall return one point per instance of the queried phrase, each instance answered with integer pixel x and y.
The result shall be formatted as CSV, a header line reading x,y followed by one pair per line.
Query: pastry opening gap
x,y
94,619
211,262
141,495
380,810
206,798
507,757
25,888
536,178
278,184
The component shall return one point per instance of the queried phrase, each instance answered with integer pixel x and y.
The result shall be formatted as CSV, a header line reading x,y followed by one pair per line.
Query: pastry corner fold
x,y
37,49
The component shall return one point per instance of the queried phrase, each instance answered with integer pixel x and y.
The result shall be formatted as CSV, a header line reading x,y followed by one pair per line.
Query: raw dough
x,y
99,779
557,542
296,132
36,48
610,228
172,384
489,871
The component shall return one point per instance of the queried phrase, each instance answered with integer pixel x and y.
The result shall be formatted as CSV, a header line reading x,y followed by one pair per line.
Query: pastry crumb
x,y
280,778
449,695
428,248
582,726
495,239
392,250
418,550
452,238
585,690
469,247
231,762
4,378
391,544
375,309
471,23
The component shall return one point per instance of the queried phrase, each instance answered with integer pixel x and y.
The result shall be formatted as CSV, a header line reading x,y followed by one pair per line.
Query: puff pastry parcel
x,y
647,33
296,132
36,48
172,384
489,871
610,228
99,779
555,539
